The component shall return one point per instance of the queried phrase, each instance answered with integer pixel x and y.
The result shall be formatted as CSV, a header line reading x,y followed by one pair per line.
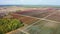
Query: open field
x,y
36,13
43,27
25,19
55,17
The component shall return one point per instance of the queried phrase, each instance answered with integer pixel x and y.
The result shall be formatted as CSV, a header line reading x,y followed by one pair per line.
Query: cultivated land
x,y
43,27
36,13
25,19
55,17
36,20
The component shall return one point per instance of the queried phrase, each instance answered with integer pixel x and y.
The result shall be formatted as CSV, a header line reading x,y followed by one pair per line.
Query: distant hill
x,y
32,6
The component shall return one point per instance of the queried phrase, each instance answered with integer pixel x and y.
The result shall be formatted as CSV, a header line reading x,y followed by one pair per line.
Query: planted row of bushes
x,y
7,25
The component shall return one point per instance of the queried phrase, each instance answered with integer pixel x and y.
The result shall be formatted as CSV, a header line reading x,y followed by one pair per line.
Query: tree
x,y
9,25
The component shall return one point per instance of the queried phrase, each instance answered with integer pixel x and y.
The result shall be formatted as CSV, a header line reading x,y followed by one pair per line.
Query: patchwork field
x,y
35,20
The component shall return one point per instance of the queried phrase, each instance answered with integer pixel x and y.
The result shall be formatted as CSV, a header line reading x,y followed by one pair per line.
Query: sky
x,y
29,2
